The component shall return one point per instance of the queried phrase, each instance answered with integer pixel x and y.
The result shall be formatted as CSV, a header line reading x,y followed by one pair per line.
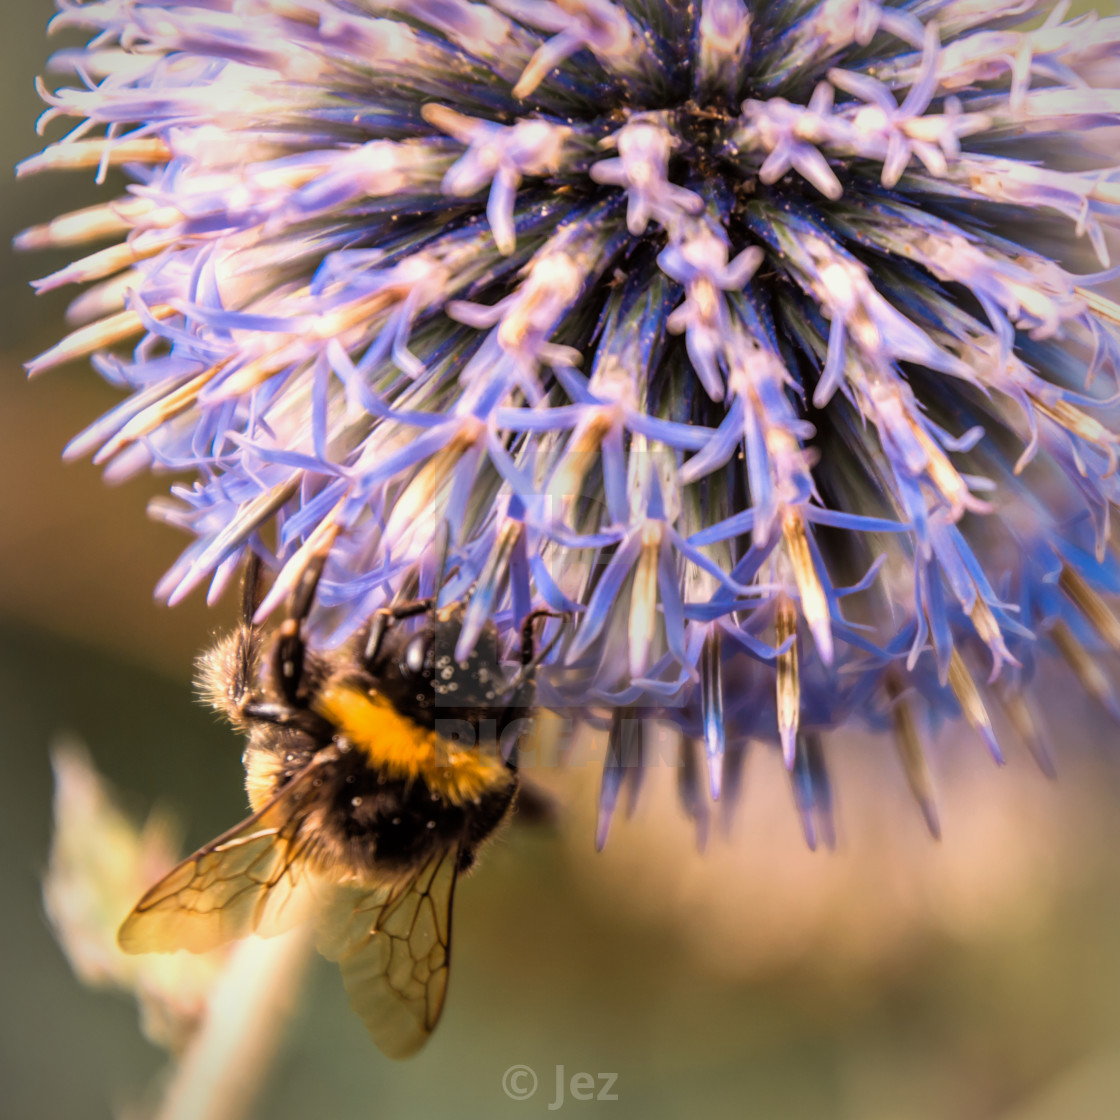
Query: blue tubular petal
x,y
812,792
614,477
753,646
719,448
481,605
601,603
363,392
717,608
711,705
686,549
521,593
859,523
668,585
869,578
684,437
624,755
734,526
553,419
308,463
400,461
558,533
548,589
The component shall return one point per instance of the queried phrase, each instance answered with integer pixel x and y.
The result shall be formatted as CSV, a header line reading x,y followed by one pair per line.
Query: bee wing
x,y
393,945
250,879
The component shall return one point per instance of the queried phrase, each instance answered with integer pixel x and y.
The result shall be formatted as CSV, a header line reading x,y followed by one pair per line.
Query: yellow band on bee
x,y
398,746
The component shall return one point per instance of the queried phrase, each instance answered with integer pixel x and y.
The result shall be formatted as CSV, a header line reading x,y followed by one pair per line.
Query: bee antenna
x,y
530,656
384,617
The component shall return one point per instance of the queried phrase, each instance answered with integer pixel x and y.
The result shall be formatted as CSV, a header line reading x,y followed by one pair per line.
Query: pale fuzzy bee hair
x,y
229,672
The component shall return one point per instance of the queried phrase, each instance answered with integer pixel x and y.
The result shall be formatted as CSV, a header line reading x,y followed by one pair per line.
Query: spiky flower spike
x,y
690,319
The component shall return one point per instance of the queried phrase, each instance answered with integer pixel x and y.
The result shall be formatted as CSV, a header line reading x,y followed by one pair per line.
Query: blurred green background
x,y
897,979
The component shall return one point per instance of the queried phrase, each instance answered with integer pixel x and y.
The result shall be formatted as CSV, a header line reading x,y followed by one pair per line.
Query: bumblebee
x,y
371,790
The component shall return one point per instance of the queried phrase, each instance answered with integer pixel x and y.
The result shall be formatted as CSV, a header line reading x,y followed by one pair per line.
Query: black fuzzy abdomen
x,y
381,826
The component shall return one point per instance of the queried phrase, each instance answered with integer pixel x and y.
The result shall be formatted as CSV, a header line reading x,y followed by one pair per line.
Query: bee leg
x,y
289,650
300,719
382,619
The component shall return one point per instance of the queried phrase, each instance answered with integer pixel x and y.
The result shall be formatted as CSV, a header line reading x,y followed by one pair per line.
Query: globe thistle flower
x,y
765,342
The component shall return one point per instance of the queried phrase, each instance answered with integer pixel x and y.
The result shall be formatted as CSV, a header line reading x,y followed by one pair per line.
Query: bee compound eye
x,y
416,654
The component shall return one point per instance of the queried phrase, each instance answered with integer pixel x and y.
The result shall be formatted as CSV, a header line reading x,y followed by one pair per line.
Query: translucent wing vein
x,y
249,880
393,947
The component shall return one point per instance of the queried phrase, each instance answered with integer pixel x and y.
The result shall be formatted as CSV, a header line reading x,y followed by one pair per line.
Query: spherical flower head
x,y
766,346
